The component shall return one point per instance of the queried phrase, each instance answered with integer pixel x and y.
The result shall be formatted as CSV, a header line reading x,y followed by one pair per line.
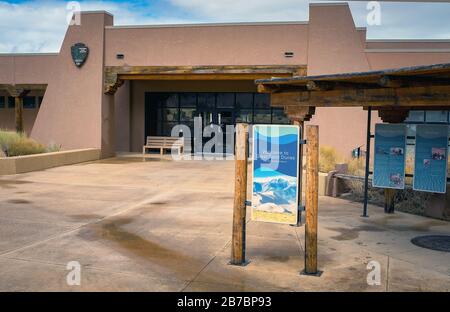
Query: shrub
x,y
8,137
52,147
357,166
18,144
329,157
25,146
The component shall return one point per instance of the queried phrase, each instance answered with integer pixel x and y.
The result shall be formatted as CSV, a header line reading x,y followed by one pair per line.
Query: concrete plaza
x,y
161,225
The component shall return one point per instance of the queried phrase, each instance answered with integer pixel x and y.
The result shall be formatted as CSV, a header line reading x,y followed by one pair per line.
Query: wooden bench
x,y
162,143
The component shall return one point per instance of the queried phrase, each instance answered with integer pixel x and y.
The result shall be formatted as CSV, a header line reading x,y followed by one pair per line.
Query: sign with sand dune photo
x,y
275,173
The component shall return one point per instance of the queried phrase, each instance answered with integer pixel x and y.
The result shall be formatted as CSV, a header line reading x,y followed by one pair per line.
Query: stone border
x,y
23,164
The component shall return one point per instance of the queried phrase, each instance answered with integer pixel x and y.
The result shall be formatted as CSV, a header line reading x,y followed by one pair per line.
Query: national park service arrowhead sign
x,y
80,53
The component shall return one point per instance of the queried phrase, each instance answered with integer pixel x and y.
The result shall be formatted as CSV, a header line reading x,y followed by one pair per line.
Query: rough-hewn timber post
x,y
19,113
312,198
240,196
389,200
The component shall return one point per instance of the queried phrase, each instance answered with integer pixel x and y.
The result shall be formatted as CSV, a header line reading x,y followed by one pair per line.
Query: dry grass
x,y
18,144
405,200
329,157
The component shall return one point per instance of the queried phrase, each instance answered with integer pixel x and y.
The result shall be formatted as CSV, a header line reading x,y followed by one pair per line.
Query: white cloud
x,y
248,10
39,26
398,20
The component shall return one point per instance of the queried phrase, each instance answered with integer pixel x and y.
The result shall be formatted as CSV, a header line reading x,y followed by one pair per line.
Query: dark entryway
x,y
164,110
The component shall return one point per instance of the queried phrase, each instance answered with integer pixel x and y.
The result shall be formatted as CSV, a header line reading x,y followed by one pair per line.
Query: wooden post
x,y
19,113
240,196
312,198
389,200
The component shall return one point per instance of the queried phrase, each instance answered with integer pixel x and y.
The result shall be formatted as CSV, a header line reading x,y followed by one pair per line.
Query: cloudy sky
x,y
39,26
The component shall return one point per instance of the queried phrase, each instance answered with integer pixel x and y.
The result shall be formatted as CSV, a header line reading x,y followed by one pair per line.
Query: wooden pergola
x,y
392,92
18,92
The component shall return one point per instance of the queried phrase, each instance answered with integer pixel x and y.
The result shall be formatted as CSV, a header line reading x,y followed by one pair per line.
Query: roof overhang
x,y
116,75
412,87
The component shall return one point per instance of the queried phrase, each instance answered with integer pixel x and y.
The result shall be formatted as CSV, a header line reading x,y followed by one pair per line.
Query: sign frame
x,y
402,187
254,209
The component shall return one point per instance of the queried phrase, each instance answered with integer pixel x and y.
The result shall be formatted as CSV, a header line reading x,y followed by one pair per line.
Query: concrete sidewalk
x,y
166,226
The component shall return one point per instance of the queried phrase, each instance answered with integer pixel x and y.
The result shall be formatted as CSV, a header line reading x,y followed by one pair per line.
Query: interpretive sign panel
x,y
275,173
430,167
389,163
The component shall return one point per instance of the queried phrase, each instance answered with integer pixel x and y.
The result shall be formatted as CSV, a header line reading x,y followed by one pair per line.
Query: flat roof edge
x,y
209,25
28,54
407,50
328,4
406,40
95,12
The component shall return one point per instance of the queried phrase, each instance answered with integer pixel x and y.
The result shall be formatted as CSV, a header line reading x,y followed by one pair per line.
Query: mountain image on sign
x,y
80,53
275,194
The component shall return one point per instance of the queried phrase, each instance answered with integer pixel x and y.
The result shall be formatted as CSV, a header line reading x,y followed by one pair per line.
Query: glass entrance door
x,y
225,120
218,120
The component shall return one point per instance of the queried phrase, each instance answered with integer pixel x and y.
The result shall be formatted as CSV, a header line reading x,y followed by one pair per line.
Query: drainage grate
x,y
434,242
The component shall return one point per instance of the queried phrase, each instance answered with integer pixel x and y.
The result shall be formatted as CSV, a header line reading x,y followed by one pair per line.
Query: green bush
x,y
18,144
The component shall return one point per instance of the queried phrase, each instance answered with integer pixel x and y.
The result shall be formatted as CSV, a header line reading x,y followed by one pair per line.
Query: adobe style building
x,y
143,80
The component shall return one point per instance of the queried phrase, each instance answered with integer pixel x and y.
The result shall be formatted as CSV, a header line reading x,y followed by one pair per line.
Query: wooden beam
x,y
115,75
300,113
406,81
17,90
408,97
319,85
312,198
196,76
240,196
393,115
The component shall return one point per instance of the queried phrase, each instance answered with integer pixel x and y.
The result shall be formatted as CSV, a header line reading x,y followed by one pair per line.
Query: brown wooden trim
x,y
408,97
115,75
21,90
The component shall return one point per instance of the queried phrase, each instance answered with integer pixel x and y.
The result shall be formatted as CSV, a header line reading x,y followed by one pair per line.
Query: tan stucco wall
x,y
122,118
16,69
71,113
201,45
